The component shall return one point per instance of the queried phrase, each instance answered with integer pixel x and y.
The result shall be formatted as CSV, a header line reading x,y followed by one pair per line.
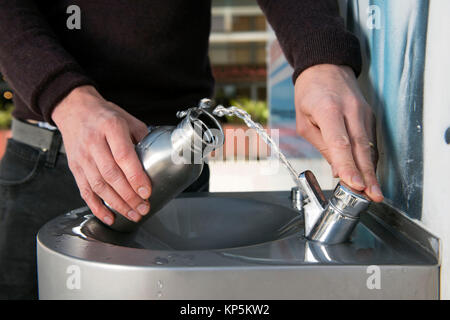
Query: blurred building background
x,y
252,73
238,45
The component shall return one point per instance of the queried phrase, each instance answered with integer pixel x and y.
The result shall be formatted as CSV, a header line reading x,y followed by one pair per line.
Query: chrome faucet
x,y
329,222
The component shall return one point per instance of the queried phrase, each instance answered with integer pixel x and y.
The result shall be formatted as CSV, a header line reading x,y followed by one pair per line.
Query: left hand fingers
x,y
370,125
331,122
312,134
364,151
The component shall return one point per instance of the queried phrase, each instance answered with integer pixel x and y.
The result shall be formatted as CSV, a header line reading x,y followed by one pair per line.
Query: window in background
x,y
238,51
248,23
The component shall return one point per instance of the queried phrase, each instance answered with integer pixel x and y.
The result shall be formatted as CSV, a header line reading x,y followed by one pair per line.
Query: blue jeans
x,y
35,186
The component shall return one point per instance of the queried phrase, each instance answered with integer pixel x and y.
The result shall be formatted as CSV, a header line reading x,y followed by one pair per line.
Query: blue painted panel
x,y
392,80
394,58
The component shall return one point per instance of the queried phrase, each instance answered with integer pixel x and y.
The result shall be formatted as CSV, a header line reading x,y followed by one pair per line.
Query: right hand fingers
x,y
92,200
100,188
107,169
124,154
111,172
99,176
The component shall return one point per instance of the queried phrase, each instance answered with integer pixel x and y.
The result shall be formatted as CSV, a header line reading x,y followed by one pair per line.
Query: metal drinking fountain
x,y
207,245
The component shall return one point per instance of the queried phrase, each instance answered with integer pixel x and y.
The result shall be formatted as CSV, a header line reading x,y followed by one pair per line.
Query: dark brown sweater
x,y
149,57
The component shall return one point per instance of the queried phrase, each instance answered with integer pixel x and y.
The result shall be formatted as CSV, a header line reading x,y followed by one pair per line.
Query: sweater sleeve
x,y
312,32
34,64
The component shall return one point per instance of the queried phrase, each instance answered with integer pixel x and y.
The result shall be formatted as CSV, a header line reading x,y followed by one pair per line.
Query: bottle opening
x,y
208,129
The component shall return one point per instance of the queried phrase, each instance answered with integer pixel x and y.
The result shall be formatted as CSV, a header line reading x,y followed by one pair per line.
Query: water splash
x,y
221,111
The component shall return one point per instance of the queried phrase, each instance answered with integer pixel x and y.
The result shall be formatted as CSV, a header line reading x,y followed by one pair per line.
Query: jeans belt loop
x,y
53,151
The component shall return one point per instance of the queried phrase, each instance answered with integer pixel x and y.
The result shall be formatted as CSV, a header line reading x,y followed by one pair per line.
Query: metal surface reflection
x,y
219,229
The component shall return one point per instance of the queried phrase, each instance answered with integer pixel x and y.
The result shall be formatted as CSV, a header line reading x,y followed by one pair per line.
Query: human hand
x,y
99,141
332,114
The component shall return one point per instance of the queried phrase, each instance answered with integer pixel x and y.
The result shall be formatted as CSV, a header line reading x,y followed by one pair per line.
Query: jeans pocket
x,y
19,163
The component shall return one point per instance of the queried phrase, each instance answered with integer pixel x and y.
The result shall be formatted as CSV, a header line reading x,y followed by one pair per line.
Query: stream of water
x,y
221,111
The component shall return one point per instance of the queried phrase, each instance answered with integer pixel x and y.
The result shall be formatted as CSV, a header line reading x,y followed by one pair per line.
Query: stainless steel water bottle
x,y
173,158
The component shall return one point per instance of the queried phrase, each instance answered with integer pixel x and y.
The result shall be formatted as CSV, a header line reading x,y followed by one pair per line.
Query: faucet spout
x,y
314,201
331,221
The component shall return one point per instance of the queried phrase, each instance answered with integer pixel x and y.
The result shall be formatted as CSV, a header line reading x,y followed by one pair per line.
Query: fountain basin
x,y
199,223
234,246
